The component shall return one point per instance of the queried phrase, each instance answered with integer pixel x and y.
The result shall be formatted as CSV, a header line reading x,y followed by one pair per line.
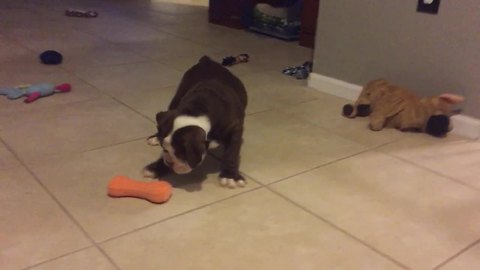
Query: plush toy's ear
x,y
451,98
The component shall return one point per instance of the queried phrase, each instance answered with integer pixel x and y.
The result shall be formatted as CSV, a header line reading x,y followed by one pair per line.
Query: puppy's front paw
x,y
232,183
147,173
153,141
156,170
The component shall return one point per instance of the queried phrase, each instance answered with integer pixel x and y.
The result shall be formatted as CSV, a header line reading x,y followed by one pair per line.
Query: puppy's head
x,y
183,140
184,149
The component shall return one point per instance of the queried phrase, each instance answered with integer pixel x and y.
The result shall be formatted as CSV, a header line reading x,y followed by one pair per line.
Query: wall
x,y
359,40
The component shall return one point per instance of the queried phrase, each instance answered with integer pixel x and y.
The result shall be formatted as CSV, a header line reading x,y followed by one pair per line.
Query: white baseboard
x,y
333,86
466,126
463,125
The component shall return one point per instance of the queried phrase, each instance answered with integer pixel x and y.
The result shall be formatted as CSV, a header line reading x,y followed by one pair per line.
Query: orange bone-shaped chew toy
x,y
155,192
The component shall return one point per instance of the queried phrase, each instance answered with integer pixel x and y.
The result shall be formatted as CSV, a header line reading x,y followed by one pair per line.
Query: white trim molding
x,y
333,86
466,126
463,125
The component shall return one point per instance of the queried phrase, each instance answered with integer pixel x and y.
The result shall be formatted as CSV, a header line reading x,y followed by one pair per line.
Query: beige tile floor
x,y
324,192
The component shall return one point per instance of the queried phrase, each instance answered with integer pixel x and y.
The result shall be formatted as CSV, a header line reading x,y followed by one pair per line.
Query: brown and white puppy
x,y
208,107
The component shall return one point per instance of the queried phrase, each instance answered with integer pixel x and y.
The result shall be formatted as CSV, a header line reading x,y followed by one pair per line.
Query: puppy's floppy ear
x,y
164,123
161,117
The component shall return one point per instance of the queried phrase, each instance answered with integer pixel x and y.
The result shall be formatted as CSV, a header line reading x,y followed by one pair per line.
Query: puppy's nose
x,y
179,169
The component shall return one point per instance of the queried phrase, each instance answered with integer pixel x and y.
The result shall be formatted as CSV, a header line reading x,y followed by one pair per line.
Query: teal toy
x,y
34,92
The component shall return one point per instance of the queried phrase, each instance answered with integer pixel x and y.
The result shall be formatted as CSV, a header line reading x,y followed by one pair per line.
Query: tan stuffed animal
x,y
392,106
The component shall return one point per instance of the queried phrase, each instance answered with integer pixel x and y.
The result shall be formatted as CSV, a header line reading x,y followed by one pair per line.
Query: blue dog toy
x,y
34,92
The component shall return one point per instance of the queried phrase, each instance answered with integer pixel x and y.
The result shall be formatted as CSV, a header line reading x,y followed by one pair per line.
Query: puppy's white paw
x,y
213,144
241,183
153,141
148,174
231,183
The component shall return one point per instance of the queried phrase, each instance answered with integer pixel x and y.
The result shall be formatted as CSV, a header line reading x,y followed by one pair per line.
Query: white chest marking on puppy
x,y
185,120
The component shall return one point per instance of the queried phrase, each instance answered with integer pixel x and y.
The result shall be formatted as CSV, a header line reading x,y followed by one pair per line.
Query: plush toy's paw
x,y
153,140
438,125
363,110
376,126
348,110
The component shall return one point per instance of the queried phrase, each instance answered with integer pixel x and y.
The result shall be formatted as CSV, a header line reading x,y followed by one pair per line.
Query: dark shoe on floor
x,y
81,13
230,60
299,72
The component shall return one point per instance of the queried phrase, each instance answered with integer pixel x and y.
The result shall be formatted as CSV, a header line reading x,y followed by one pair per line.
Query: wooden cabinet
x,y
236,14
229,13
309,23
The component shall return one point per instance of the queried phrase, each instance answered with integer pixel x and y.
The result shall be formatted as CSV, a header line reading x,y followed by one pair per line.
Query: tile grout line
x,y
460,252
453,179
95,244
61,206
334,226
329,223
58,257
149,24
268,186
389,154
131,108
369,149
115,99
114,144
179,215
74,73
